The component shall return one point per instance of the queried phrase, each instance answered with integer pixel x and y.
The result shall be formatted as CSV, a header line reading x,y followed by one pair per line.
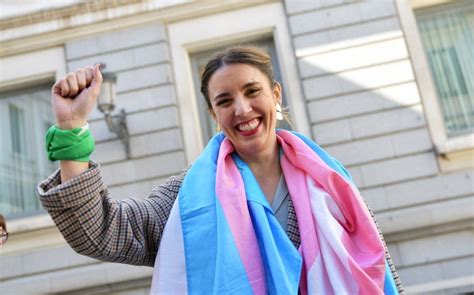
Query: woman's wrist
x,y
70,124
71,169
75,144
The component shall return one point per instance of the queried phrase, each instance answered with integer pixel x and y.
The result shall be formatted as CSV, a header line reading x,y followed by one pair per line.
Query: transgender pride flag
x,y
222,237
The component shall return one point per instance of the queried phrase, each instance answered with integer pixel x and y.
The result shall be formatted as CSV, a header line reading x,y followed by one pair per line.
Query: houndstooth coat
x,y
128,231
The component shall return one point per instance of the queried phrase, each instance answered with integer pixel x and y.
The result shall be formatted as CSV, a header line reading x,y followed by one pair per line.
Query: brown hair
x,y
250,55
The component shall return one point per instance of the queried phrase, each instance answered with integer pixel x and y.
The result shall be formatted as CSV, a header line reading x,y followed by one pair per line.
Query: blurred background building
x,y
384,86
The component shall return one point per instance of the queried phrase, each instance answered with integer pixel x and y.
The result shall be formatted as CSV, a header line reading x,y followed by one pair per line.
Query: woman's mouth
x,y
249,127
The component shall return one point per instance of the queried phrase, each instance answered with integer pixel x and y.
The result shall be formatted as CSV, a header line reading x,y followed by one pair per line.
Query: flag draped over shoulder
x,y
222,237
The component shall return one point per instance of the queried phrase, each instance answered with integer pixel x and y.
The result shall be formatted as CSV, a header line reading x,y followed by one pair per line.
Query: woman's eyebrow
x,y
249,84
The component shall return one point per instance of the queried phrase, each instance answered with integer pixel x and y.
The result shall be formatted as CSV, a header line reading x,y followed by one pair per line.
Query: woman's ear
x,y
277,93
212,114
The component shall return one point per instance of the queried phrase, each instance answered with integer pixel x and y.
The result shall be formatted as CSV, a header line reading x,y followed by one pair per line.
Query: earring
x,y
279,112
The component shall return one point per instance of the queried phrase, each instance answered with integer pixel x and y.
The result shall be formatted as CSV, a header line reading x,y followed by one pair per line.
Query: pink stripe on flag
x,y
359,227
230,192
298,189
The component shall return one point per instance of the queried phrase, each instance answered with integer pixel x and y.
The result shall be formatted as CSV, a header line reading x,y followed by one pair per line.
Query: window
x,y
190,37
24,116
447,36
199,60
439,37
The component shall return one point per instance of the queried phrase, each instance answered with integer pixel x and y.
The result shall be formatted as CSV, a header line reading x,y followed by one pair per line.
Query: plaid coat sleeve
x,y
98,226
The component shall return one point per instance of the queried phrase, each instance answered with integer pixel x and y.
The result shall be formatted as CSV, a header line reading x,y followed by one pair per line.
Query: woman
x,y
260,211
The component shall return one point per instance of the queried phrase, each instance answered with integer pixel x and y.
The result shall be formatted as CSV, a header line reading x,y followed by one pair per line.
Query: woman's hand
x,y
74,96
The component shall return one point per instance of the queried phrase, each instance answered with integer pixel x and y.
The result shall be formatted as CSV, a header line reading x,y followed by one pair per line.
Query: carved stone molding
x,y
49,28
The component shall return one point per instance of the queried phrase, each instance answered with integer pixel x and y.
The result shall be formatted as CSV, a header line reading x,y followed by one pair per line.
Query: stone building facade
x,y
356,79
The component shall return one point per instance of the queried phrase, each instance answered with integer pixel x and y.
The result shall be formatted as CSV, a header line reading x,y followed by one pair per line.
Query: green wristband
x,y
76,144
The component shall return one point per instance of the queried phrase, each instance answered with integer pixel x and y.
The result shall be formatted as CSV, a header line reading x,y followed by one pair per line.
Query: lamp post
x,y
106,104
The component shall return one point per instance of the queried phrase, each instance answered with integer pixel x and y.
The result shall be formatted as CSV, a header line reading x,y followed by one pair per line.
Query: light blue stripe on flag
x,y
281,260
390,288
213,264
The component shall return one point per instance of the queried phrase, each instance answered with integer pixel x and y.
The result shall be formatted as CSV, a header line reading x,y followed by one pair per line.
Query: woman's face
x,y
243,104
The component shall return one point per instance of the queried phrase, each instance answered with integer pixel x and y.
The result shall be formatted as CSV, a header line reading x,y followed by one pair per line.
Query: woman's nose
x,y
242,107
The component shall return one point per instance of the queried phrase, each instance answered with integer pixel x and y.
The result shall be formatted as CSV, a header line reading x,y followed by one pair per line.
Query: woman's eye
x,y
223,102
253,91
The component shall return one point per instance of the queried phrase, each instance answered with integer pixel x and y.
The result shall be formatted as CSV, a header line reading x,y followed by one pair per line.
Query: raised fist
x,y
75,95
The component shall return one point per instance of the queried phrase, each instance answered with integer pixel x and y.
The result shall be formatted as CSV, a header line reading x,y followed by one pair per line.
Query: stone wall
x,y
365,110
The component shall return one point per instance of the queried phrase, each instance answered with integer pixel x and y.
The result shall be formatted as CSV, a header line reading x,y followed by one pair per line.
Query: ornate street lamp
x,y
106,104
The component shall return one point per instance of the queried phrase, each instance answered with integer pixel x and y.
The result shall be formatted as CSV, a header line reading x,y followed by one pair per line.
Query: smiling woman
x,y
243,103
244,106
274,213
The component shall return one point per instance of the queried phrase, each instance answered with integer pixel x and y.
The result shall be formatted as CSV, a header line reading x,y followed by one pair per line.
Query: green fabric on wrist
x,y
76,144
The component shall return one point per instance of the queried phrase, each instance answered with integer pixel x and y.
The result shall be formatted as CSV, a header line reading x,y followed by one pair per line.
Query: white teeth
x,y
249,126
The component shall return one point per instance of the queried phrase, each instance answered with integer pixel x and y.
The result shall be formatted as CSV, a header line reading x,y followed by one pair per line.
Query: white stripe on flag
x,y
169,276
332,266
